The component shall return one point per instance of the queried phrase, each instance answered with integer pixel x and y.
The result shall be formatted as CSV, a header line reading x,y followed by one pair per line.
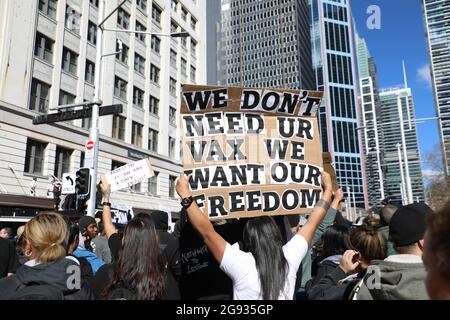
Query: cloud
x,y
424,75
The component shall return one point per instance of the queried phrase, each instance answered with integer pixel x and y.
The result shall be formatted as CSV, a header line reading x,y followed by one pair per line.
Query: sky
x,y
402,37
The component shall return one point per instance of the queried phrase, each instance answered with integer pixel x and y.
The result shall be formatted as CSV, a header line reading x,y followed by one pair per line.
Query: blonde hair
x,y
46,233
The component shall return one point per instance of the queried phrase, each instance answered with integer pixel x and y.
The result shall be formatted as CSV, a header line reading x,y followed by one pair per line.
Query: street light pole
x,y
94,131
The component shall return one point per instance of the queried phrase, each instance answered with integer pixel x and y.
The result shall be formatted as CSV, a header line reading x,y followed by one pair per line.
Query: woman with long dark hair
x,y
335,241
140,270
266,269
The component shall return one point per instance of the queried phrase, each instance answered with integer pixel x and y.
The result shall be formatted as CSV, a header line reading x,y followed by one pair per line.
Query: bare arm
x,y
215,243
106,212
319,211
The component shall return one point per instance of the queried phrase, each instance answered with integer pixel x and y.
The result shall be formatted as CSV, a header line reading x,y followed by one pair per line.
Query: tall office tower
x,y
396,180
335,71
436,15
265,43
47,58
370,122
213,18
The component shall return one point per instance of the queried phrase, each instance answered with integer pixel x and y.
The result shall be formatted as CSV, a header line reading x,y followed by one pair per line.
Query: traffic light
x,y
83,183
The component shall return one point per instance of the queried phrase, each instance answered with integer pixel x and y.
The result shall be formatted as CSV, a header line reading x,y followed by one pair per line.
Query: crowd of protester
x,y
396,254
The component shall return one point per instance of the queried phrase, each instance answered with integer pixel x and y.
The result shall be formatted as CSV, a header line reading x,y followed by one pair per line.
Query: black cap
x,y
408,224
160,219
84,222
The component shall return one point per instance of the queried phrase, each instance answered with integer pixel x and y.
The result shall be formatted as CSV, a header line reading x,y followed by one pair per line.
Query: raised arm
x,y
214,241
319,211
105,188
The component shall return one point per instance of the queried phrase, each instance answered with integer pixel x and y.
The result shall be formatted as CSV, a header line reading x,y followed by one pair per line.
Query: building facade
x,y
264,44
335,73
369,102
48,54
390,118
437,16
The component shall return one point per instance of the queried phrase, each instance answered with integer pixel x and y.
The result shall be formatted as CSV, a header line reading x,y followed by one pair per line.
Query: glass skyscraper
x,y
335,73
390,99
265,43
370,122
437,25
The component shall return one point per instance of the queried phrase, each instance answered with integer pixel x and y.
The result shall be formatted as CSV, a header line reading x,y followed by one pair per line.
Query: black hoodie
x,y
55,274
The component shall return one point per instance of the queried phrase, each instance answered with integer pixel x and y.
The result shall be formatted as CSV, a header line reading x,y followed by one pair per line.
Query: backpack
x,y
38,292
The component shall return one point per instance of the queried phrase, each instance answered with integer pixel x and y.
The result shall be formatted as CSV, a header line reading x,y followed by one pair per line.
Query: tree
x,y
438,182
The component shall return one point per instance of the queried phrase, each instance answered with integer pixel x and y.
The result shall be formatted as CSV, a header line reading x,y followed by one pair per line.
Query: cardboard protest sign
x,y
328,168
251,152
129,175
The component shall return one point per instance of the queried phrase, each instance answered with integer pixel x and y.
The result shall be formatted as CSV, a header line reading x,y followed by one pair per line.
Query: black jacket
x,y
8,258
171,250
336,285
320,268
54,274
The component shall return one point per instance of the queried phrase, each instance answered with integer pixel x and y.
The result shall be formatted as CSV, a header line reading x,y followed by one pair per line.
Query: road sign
x,y
68,183
89,145
76,114
89,154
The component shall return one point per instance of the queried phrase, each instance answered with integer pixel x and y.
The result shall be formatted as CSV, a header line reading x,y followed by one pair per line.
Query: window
x,y
172,180
140,27
116,164
138,97
94,3
171,147
154,74
153,184
172,115
122,56
62,161
120,88
136,187
136,134
48,7
86,123
173,58
156,44
34,157
193,48
154,105
173,27
82,158
89,74
173,87
43,47
156,15
174,4
72,20
184,41
40,93
193,73
66,98
123,19
118,130
183,67
193,23
70,61
92,33
142,4
153,140
184,13
139,64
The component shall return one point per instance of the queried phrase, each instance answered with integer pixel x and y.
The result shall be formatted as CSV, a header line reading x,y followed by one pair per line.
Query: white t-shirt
x,y
240,266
